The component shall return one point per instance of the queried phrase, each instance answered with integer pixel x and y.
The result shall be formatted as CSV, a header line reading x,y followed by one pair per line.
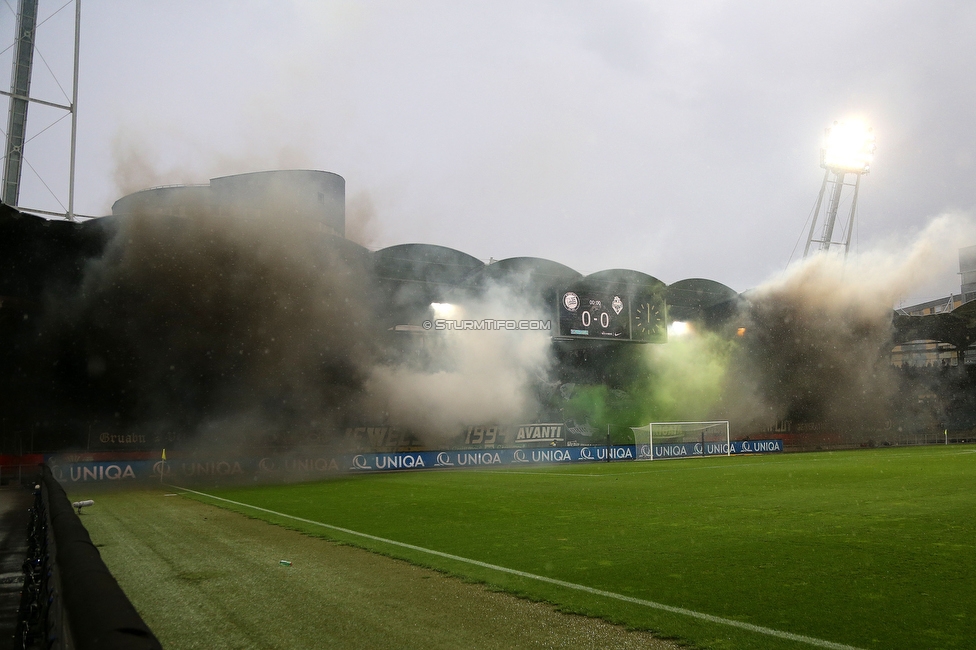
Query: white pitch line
x,y
820,643
609,475
506,471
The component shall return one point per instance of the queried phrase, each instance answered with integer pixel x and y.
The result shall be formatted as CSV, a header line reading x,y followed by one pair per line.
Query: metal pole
x,y
835,194
850,220
74,115
816,212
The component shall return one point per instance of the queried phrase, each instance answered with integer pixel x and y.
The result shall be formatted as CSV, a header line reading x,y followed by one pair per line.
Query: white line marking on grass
x,y
656,470
540,473
820,643
670,468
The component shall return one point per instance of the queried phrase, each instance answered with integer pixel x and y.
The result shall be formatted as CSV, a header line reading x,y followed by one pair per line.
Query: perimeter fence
x,y
70,599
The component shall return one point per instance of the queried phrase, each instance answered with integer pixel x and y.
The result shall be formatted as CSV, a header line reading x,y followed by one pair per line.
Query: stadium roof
x,y
700,299
958,327
424,263
525,275
617,277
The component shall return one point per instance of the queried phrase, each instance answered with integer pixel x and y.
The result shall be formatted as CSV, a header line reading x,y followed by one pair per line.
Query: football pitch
x,y
866,549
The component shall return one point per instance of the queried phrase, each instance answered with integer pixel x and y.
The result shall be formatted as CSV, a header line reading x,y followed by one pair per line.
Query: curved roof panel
x,y
699,292
698,298
628,277
424,263
525,272
530,275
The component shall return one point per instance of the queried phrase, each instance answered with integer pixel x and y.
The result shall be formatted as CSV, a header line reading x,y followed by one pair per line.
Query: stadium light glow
x,y
848,147
679,328
443,309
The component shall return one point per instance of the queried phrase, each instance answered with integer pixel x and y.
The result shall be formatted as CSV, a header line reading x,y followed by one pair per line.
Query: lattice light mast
x,y
848,149
20,98
20,79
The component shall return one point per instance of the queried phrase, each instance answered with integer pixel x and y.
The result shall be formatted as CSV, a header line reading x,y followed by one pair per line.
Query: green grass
x,y
205,577
874,549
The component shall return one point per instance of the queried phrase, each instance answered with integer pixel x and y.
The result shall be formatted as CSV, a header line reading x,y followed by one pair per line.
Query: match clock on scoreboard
x,y
650,320
612,316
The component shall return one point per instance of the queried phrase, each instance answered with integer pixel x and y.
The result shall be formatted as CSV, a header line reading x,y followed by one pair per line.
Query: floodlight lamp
x,y
848,147
679,328
443,309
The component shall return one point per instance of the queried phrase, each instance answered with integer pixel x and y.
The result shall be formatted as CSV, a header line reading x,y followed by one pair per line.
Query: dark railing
x,y
70,599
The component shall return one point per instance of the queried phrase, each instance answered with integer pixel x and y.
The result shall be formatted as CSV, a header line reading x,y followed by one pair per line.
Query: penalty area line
x,y
819,643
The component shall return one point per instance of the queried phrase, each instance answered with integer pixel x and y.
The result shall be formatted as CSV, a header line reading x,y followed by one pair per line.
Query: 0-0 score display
x,y
586,319
614,316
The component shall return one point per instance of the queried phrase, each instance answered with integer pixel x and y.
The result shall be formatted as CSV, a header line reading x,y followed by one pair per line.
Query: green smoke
x,y
687,378
684,379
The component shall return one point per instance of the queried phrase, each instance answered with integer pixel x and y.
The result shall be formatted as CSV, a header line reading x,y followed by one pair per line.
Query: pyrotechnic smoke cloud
x,y
815,342
240,329
688,379
472,377
184,323
821,332
361,225
138,162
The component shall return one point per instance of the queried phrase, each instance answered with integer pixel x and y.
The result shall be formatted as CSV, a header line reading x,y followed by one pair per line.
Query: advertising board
x,y
284,467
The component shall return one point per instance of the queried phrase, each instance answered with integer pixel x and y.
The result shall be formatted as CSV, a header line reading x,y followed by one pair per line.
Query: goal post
x,y
682,440
642,443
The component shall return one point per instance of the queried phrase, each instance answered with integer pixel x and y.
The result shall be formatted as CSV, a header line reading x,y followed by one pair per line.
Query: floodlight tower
x,y
848,149
20,98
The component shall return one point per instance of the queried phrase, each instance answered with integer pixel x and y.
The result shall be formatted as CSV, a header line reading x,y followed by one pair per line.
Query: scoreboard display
x,y
609,315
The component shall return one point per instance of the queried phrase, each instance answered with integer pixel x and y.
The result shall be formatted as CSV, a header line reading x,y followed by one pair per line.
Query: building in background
x,y
967,272
318,196
941,341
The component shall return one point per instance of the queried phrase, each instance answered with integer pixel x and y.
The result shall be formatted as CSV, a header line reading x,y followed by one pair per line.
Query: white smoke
x,y
471,376
819,334
912,266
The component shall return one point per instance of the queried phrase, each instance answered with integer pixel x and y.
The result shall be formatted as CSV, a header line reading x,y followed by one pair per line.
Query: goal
x,y
660,440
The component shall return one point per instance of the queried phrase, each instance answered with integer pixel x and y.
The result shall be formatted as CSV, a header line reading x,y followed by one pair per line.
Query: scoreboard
x,y
612,315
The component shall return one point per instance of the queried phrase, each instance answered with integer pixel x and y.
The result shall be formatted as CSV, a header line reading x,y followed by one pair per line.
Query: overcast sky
x,y
679,139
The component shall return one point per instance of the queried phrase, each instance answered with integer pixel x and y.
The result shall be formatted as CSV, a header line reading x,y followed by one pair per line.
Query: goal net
x,y
682,439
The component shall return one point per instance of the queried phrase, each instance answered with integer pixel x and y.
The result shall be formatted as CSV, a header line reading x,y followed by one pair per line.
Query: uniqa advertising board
x,y
269,467
454,459
686,449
